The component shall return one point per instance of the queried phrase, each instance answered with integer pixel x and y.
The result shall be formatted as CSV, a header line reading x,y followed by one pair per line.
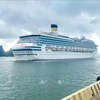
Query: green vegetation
x,y
4,54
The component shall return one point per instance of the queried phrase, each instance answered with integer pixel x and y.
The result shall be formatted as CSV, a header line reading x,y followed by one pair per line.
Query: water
x,y
45,80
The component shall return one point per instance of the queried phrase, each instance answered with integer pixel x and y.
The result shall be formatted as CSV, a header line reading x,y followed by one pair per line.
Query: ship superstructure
x,y
50,45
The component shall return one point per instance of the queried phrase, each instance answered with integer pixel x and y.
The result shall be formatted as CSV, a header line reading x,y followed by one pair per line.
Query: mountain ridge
x,y
5,54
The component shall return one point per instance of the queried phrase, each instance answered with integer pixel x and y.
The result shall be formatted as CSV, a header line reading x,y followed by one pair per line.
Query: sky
x,y
74,18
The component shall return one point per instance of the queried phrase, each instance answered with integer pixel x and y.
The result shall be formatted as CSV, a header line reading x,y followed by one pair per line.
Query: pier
x,y
91,92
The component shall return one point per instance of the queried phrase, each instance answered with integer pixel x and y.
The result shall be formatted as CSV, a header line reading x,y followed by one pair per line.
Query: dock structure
x,y
91,92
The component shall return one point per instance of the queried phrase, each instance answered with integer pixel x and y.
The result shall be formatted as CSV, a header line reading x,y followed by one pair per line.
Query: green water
x,y
45,80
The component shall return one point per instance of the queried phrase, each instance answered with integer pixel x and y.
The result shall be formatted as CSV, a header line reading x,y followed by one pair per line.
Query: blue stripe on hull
x,y
26,49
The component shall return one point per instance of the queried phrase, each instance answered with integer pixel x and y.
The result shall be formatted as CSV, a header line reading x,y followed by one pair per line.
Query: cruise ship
x,y
51,45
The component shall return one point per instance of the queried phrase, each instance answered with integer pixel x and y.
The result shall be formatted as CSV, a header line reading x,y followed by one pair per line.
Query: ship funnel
x,y
54,28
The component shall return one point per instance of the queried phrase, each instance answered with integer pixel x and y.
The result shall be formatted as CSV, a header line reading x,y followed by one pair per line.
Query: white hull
x,y
38,55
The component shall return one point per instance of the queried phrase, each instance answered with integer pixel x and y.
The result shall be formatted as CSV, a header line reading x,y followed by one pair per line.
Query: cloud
x,y
7,31
95,20
75,7
73,17
32,15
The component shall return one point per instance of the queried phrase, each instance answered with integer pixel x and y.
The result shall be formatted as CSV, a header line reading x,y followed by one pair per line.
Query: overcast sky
x,y
74,18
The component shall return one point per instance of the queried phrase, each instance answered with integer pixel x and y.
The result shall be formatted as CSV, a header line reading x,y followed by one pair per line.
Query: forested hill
x,y
3,53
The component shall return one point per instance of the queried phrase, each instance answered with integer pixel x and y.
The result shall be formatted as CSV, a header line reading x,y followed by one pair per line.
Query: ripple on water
x,y
60,81
43,82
